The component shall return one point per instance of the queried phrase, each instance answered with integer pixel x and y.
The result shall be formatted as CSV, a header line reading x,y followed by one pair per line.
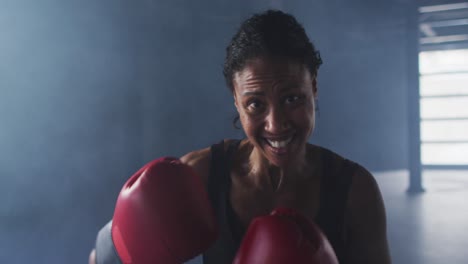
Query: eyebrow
x,y
253,93
262,93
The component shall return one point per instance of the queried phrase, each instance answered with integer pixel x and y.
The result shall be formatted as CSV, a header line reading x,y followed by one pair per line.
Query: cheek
x,y
250,124
247,121
304,117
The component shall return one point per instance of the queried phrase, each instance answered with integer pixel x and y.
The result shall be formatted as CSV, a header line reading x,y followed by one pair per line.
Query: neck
x,y
268,175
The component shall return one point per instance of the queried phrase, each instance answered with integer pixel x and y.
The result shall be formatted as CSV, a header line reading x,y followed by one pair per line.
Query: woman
x,y
271,70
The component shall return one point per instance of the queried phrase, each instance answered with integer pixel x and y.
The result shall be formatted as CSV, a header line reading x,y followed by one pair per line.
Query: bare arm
x,y
92,257
366,222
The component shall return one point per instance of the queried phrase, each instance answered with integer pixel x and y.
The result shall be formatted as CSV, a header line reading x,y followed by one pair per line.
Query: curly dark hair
x,y
272,33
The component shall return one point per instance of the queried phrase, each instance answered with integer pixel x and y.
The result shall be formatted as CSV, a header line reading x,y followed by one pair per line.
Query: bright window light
x,y
444,107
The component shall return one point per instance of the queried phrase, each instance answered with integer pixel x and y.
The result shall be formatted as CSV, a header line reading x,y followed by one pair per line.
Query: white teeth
x,y
279,144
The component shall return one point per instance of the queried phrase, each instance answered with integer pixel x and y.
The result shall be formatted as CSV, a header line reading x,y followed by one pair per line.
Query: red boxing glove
x,y
163,215
284,236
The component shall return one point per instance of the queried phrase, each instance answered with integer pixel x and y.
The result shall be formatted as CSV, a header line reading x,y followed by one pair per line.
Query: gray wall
x,y
91,90
69,127
363,81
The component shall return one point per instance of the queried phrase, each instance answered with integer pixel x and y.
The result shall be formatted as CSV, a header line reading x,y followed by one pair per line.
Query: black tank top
x,y
330,217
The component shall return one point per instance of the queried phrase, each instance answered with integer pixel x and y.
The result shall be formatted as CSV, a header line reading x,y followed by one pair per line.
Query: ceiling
x,y
443,25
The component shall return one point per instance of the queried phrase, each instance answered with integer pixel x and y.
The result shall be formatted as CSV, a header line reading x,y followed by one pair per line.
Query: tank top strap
x,y
216,169
334,191
235,226
219,182
221,161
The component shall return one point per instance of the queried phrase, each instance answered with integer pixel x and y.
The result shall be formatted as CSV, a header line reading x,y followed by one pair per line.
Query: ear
x,y
235,100
314,87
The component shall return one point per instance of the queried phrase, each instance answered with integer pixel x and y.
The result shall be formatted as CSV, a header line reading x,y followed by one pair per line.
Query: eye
x,y
292,99
254,105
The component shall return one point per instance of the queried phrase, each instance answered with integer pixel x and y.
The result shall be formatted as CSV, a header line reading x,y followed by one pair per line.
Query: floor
x,y
429,227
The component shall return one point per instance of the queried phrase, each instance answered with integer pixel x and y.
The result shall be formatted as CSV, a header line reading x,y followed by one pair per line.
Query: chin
x,y
282,156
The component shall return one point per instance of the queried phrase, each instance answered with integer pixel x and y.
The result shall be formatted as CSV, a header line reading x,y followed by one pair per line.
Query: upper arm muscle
x,y
367,221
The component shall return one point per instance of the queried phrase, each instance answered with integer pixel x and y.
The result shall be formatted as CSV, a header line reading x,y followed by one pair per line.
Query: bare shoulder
x,y
363,182
364,192
365,202
366,220
365,216
200,161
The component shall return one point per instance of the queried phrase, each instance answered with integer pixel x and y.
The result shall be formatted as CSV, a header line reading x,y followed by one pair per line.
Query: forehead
x,y
270,71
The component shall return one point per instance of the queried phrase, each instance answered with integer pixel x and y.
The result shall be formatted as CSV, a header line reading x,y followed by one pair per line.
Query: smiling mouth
x,y
279,146
279,143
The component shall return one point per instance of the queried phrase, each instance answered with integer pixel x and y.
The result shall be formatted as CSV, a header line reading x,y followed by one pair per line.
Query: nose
x,y
276,121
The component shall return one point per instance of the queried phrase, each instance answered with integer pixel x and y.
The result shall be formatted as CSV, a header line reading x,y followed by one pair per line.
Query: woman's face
x,y
275,102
